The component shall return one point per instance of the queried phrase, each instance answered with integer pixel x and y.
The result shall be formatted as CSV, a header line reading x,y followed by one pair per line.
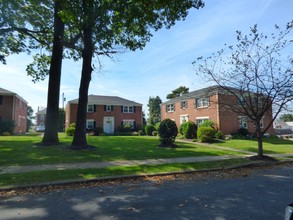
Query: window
x,y
129,122
42,117
90,108
183,105
243,122
128,109
183,118
90,124
108,108
170,108
202,102
199,121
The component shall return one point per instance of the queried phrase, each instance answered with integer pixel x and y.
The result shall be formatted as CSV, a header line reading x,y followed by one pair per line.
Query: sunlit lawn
x,y
23,150
271,145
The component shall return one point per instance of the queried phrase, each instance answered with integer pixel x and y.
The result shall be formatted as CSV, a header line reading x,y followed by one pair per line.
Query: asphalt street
x,y
261,194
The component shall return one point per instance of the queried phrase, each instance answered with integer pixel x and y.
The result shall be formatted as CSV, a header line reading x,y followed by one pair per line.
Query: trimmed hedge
x,y
206,134
168,131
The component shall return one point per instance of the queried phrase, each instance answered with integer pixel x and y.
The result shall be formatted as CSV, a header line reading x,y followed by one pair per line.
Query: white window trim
x,y
128,108
129,121
201,100
240,118
108,108
89,106
169,109
202,119
185,106
87,123
184,117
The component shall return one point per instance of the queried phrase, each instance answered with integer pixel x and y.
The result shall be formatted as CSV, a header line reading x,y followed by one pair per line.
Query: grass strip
x,y
39,177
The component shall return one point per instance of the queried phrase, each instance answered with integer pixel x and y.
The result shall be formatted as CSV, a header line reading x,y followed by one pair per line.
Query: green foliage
x,y
242,132
208,123
6,133
99,131
149,129
141,132
206,134
188,129
178,92
155,133
7,126
168,131
219,135
30,116
286,117
61,122
154,106
157,125
70,130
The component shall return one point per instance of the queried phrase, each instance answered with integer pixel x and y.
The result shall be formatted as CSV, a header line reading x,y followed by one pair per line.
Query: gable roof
x,y
5,92
107,100
42,112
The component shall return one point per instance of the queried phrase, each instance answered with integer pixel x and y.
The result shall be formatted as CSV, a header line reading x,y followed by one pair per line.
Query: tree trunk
x,y
79,139
259,137
52,114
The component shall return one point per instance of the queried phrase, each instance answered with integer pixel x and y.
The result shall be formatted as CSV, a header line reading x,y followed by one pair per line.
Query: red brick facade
x,y
13,108
227,120
102,115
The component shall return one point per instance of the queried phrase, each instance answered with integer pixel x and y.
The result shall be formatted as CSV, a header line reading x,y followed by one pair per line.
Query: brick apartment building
x,y
107,112
207,104
41,117
13,108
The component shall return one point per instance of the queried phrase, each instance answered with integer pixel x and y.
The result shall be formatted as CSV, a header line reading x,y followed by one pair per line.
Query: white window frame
x,y
243,122
128,109
90,108
200,120
184,104
203,102
90,122
170,107
183,118
108,108
129,121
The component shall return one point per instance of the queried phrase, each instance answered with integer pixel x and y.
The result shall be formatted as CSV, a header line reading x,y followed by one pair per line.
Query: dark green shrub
x,y
188,129
168,131
149,129
242,132
155,133
98,131
219,135
206,134
141,132
182,128
7,126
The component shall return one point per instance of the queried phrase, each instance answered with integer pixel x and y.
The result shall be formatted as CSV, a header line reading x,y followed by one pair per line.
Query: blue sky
x,y
165,63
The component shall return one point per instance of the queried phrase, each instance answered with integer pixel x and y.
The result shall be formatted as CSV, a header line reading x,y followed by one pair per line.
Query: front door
x,y
109,125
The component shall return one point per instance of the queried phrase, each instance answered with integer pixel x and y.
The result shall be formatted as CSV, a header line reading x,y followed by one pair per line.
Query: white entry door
x,y
108,125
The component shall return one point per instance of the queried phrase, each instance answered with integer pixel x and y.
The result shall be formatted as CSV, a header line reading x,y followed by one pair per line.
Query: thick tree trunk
x,y
52,115
79,139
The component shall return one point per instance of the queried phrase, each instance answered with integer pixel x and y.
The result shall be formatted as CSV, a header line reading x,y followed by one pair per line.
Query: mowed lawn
x,y
24,150
271,145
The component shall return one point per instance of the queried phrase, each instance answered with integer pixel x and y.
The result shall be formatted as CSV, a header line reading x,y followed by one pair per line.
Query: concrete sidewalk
x,y
86,165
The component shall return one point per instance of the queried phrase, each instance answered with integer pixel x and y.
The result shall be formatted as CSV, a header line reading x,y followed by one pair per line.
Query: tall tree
x,y
286,117
154,110
178,92
30,117
106,25
261,69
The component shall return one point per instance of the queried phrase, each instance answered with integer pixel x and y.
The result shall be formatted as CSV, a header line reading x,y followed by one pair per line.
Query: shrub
x,y
188,129
243,132
7,126
206,134
98,131
149,129
157,125
141,132
155,133
208,123
168,131
219,135
6,133
70,130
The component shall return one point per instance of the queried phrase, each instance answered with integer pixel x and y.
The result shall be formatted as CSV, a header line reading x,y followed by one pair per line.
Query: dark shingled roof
x,y
107,100
197,93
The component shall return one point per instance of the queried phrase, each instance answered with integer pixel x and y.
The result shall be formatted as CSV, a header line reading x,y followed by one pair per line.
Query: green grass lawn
x,y
23,150
271,145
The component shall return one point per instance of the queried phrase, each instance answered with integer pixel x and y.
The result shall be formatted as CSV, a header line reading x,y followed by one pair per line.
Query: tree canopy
x,y
154,106
178,92
257,71
286,117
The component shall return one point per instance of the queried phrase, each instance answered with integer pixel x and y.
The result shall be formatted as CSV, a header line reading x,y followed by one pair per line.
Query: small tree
x,y
154,110
258,72
168,131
